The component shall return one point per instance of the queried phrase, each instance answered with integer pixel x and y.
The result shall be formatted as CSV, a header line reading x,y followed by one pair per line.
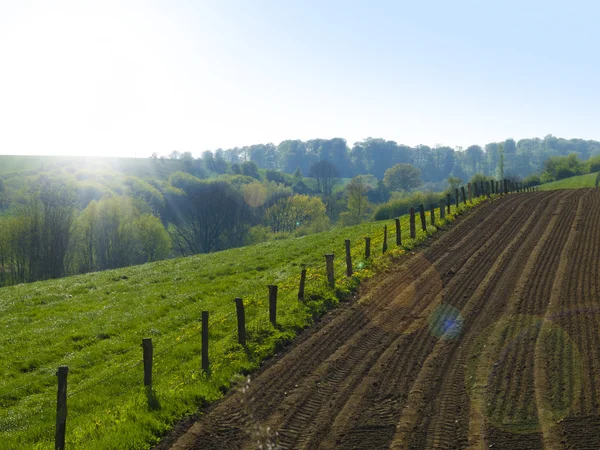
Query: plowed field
x,y
489,337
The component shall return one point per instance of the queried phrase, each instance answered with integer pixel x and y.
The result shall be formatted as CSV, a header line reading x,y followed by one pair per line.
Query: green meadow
x,y
581,181
94,324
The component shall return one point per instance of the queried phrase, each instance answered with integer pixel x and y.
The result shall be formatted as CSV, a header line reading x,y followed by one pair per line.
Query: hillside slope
x,y
94,323
581,181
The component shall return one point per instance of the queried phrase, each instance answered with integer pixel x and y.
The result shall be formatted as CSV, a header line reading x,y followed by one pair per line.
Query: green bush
x,y
401,204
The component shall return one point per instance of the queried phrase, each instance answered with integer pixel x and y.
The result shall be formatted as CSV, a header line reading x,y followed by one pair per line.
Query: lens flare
x,y
519,351
445,322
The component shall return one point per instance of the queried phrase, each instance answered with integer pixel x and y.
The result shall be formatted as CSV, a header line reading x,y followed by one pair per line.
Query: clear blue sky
x,y
127,77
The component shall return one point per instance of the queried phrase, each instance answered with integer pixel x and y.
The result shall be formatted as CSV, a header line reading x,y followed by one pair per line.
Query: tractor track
x,y
407,365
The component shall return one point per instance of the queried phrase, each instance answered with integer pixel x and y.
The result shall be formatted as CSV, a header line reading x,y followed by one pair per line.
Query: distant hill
x,y
581,181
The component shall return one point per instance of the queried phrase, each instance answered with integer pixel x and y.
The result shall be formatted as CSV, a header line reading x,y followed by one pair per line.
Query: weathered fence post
x,y
432,214
302,283
462,190
456,192
482,190
273,304
442,209
413,228
61,408
367,247
398,233
422,214
147,351
385,246
448,202
497,186
470,192
205,364
330,274
348,258
241,320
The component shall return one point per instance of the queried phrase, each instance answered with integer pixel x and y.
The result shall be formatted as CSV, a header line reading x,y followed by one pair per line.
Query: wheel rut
x,y
473,342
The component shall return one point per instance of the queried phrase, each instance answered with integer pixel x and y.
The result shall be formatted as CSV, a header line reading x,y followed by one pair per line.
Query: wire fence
x,y
173,357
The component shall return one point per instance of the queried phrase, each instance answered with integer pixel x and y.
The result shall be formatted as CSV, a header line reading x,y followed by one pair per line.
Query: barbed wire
x,y
119,371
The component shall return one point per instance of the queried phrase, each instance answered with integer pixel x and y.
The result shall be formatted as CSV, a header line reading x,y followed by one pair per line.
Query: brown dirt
x,y
487,338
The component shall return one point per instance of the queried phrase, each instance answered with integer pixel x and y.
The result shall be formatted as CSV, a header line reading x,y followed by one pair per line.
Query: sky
x,y
129,78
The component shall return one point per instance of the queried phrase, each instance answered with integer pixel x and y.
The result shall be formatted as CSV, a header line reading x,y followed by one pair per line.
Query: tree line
x,y
375,155
72,218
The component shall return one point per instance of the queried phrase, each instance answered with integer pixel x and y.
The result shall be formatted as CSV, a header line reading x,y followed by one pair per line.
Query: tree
x,y
250,169
402,177
454,183
154,239
203,215
298,173
57,212
356,191
474,155
559,167
326,176
501,162
291,213
188,161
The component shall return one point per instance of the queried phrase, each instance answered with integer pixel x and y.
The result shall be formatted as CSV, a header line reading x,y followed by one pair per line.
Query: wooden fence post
x,y
442,209
385,246
147,350
423,221
448,202
348,258
330,274
61,408
462,190
367,247
302,283
413,228
273,304
470,192
497,186
482,192
398,233
241,320
205,364
432,214
456,192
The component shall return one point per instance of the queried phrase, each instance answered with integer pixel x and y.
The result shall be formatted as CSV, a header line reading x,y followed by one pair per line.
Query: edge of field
x,y
383,264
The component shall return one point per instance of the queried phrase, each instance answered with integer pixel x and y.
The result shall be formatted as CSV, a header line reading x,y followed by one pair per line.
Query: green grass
x,y
582,181
94,323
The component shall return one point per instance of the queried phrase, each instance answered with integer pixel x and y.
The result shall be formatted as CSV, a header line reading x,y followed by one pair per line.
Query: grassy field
x,y
94,324
582,181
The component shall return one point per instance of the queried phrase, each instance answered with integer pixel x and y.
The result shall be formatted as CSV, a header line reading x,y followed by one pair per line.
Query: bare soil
x,y
489,337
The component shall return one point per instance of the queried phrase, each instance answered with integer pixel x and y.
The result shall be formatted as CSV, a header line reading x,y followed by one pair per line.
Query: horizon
x,y
197,155
115,79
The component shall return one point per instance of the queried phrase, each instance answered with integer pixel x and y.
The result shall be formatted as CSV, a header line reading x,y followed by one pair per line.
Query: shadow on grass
x,y
153,402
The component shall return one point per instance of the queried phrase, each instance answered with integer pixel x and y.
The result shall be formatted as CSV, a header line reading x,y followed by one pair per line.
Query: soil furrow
x,y
475,341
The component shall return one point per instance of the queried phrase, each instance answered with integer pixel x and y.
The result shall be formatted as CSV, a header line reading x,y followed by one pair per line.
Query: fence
x,y
248,319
